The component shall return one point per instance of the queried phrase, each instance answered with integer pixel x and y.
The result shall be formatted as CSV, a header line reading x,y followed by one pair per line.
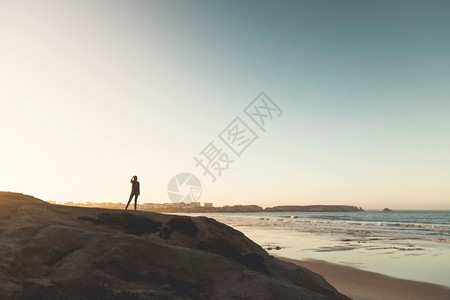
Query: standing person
x,y
135,191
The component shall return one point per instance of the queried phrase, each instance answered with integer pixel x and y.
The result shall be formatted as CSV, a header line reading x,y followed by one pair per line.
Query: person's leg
x,y
131,197
135,201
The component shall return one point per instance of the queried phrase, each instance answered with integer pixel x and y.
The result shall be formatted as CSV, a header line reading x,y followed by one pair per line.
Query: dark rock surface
x,y
60,252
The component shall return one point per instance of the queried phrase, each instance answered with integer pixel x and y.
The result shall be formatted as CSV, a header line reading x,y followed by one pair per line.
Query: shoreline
x,y
365,285
195,207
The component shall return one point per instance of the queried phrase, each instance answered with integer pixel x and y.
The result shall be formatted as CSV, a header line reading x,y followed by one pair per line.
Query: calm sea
x,y
425,225
412,245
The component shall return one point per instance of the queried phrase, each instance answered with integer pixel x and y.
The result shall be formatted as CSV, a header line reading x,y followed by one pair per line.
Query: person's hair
x,y
134,177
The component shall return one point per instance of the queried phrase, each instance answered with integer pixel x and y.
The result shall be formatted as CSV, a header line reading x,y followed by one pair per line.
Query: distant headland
x,y
196,207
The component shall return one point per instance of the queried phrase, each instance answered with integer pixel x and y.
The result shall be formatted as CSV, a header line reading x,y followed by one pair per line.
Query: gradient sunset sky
x,y
94,92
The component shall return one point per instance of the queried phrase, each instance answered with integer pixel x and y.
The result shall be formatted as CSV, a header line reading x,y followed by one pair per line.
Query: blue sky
x,y
94,92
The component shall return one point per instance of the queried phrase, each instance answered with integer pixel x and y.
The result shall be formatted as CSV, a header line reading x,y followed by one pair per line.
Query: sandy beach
x,y
363,285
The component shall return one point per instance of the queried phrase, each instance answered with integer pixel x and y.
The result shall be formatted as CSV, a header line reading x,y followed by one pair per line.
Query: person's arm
x,y
139,188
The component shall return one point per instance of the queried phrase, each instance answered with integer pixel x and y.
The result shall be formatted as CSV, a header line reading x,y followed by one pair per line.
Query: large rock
x,y
52,252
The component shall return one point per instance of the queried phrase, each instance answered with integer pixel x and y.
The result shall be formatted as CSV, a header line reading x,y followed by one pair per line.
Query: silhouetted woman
x,y
135,191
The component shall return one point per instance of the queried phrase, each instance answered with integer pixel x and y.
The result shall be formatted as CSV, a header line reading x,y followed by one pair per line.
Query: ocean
x,y
412,245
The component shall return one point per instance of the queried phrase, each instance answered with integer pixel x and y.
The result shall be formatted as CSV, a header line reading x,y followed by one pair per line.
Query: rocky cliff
x,y
60,252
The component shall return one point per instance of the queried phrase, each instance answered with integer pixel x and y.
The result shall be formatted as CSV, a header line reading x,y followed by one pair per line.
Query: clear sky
x,y
94,92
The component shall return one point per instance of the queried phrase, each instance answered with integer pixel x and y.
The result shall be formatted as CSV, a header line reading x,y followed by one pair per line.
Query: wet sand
x,y
364,285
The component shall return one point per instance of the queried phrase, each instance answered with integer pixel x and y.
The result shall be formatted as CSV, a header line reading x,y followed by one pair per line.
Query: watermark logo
x,y
213,161
184,187
237,137
262,110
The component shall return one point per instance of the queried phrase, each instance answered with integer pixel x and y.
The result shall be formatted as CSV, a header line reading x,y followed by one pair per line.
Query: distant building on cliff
x,y
208,204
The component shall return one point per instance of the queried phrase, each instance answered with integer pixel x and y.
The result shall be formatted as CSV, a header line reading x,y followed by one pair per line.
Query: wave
x,y
373,229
